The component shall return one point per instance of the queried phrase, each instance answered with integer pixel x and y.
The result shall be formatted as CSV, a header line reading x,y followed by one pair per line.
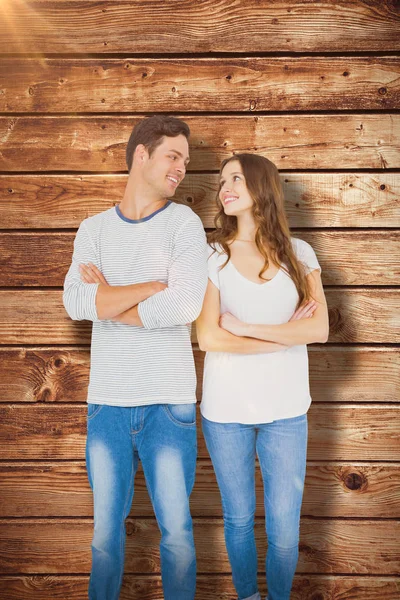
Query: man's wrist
x,y
156,286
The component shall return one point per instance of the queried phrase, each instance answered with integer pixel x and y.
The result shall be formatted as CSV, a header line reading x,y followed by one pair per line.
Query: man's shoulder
x,y
95,221
182,215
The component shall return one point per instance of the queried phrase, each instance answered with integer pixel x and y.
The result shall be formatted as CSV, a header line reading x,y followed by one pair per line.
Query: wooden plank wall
x,y
314,86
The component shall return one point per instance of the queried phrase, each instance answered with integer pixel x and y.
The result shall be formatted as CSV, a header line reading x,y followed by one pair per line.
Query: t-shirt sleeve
x,y
213,267
305,253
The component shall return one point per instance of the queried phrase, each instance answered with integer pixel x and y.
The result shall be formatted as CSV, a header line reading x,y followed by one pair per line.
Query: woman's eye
x,y
236,177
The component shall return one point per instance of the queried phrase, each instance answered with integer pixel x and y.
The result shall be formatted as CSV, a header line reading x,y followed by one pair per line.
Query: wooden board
x,y
367,141
54,489
312,199
337,374
336,432
201,84
39,317
50,546
346,258
148,587
122,27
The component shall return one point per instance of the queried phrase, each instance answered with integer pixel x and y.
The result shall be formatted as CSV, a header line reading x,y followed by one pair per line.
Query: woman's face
x,y
234,195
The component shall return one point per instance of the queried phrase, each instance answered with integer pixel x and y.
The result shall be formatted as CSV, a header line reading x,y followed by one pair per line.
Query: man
x,y
139,272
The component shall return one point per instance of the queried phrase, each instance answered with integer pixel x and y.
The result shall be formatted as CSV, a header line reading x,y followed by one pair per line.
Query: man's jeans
x,y
281,447
163,437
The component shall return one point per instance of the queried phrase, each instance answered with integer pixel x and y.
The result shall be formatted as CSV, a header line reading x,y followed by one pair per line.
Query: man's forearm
x,y
219,340
112,301
129,317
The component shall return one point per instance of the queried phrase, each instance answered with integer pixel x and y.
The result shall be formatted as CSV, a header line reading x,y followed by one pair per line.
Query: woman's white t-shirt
x,y
257,388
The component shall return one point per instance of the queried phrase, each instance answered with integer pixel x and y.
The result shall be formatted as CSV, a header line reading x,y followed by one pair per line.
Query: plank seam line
x,y
345,54
126,116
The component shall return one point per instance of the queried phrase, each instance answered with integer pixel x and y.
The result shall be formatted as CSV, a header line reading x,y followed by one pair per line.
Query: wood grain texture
x,y
51,546
201,84
312,199
292,142
346,258
338,432
309,587
253,26
148,587
54,489
337,374
39,317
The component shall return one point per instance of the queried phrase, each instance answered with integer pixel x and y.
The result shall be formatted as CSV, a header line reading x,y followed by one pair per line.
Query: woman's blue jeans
x,y
281,447
163,437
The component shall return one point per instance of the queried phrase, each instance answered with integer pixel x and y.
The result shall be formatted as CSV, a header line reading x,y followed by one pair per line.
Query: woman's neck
x,y
246,228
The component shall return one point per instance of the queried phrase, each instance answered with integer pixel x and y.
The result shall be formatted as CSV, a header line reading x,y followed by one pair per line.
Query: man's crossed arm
x,y
118,303
152,305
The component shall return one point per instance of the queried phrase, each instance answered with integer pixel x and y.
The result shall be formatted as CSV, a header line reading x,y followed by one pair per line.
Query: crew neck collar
x,y
121,216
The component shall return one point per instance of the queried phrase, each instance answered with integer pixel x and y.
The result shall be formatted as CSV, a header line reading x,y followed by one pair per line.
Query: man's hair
x,y
150,133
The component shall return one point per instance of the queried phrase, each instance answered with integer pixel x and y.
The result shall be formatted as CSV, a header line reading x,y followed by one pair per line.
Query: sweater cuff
x,y
147,314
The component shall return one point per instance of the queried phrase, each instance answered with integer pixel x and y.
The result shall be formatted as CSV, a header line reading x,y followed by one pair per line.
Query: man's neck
x,y
139,202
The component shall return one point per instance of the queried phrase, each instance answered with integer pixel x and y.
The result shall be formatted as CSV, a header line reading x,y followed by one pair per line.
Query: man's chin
x,y
170,193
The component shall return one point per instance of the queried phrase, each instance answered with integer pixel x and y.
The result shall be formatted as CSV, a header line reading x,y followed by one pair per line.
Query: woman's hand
x,y
91,274
230,323
305,311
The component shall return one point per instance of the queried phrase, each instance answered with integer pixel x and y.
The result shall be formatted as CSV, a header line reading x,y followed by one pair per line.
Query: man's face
x,y
166,167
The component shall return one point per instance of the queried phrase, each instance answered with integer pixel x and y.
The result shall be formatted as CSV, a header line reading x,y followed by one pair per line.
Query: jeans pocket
x,y
182,414
93,410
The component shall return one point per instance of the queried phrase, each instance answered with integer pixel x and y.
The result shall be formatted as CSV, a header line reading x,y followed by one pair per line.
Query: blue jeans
x,y
163,437
281,447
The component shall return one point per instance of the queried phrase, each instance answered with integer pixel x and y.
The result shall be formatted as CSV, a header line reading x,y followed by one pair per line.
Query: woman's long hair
x,y
272,229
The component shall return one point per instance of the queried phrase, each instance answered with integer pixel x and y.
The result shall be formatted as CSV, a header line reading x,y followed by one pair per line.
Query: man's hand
x,y
91,274
305,311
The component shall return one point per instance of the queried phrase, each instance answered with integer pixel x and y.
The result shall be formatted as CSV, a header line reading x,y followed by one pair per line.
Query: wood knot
x,y
252,104
382,187
189,199
346,74
354,481
382,91
130,528
58,362
228,77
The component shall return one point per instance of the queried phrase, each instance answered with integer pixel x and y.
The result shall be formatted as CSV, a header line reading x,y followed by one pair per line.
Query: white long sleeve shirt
x,y
153,364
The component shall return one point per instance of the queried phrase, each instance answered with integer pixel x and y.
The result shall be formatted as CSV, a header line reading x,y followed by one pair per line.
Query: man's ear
x,y
140,154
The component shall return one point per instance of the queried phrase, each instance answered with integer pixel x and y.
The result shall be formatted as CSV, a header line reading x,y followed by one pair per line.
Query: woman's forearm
x,y
219,340
293,333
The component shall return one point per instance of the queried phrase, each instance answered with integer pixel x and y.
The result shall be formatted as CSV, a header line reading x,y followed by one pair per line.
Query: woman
x,y
263,304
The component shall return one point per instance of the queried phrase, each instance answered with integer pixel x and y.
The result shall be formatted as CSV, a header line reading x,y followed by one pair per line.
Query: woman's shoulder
x,y
300,247
305,254
215,250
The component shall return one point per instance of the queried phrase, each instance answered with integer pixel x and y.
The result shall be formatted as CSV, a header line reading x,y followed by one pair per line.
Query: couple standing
x,y
141,271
